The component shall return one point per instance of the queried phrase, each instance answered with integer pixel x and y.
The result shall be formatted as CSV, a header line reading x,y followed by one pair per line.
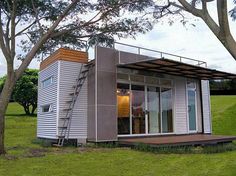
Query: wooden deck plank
x,y
192,139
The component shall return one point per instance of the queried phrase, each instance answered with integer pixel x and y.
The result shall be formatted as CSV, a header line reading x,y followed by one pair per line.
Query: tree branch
x,y
2,44
7,40
37,18
223,17
13,28
43,39
89,22
189,8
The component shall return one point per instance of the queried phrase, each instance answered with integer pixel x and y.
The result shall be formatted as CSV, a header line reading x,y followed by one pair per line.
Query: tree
x,y
199,8
2,80
43,25
25,91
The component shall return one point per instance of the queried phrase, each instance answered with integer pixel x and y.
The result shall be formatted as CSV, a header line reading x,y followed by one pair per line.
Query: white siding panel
x,y
180,106
47,122
206,106
68,76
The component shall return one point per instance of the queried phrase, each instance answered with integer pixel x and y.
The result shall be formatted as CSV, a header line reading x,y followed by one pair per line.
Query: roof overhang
x,y
171,67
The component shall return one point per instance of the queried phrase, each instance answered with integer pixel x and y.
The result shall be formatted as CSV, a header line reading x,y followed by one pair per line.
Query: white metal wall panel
x,y
68,75
181,126
199,107
206,106
46,122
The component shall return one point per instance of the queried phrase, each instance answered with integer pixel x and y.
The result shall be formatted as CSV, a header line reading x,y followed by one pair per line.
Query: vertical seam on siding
x,y
58,95
96,135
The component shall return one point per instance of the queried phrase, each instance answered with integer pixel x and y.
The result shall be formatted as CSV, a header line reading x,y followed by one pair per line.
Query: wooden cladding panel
x,y
65,55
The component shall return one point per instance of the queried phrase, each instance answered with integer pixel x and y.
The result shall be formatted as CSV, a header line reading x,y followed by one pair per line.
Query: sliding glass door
x,y
123,105
153,109
167,110
138,109
192,110
144,109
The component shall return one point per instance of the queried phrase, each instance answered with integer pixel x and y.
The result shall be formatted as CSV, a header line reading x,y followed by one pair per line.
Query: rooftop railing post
x,y
180,59
139,50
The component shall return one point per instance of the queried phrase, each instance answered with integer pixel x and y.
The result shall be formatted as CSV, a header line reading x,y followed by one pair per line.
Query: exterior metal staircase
x,y
64,128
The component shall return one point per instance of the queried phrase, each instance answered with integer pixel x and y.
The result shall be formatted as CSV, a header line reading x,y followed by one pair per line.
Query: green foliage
x,y
96,21
223,85
25,91
2,80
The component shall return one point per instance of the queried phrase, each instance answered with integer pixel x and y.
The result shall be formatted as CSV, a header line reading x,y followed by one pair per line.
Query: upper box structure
x,y
66,55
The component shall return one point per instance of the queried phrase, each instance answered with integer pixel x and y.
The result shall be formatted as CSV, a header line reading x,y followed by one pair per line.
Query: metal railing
x,y
163,55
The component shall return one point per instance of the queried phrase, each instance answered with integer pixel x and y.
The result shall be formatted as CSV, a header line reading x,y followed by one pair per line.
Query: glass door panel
x,y
192,109
153,108
167,110
123,103
138,109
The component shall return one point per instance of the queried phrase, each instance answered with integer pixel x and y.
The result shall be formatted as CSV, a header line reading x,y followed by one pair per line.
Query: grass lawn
x,y
27,158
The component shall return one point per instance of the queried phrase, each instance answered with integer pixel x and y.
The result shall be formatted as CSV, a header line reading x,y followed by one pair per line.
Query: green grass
x,y
224,114
25,157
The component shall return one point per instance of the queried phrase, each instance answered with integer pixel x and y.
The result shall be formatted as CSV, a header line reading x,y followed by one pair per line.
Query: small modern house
x,y
121,95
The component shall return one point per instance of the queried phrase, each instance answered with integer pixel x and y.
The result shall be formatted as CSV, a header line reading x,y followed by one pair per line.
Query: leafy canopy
x,y
25,91
96,21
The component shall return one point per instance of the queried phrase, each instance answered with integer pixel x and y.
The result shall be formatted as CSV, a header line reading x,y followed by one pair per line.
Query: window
x,y
191,84
122,76
137,78
46,108
47,82
152,80
166,82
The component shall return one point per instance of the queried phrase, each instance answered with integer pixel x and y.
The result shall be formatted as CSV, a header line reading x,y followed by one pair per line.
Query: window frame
x,y
50,109
51,82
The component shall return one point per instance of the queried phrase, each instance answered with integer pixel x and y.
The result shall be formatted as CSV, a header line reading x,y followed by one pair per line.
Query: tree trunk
x,y
230,44
33,109
4,100
27,110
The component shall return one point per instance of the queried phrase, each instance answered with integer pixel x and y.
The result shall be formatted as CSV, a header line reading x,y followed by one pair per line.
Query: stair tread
x,y
64,117
89,64
84,71
61,136
62,127
73,93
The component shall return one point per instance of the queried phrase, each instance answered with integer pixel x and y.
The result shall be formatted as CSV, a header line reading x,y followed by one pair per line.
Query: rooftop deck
x,y
157,54
194,139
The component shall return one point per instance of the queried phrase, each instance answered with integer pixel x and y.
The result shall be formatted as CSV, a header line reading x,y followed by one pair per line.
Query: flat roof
x,y
65,54
172,67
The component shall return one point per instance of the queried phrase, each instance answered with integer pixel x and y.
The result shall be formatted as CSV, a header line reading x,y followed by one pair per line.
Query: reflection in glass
x,y
166,104
192,110
153,109
138,109
123,103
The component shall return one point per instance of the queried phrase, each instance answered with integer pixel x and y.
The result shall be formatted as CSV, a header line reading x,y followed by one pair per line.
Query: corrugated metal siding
x,y
46,122
206,106
181,126
68,75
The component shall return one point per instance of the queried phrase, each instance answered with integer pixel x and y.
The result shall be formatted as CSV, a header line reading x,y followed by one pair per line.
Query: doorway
x,y
192,113
144,109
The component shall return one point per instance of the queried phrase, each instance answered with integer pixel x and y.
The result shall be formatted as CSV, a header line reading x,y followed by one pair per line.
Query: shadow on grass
x,y
21,115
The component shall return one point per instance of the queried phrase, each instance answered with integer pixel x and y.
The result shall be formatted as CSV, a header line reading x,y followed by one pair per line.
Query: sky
x,y
195,42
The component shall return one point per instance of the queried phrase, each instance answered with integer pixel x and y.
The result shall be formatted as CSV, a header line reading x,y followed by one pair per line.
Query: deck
x,y
194,139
